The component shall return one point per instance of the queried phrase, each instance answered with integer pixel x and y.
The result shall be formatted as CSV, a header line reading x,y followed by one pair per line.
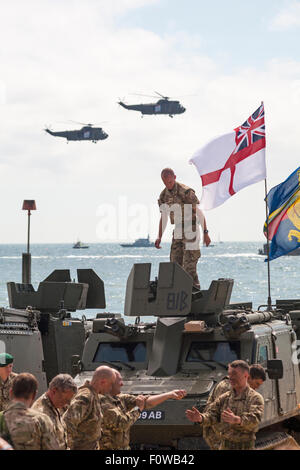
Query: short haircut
x,y
241,364
63,382
257,372
166,172
24,386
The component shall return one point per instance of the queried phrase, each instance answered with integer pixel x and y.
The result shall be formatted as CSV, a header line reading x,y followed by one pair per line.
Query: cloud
x,y
71,60
288,18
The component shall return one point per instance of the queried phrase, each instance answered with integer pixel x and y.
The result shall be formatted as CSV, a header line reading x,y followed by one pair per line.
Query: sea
x,y
236,260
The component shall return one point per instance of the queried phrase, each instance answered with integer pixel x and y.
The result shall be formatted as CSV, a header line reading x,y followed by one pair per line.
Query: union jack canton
x,y
252,131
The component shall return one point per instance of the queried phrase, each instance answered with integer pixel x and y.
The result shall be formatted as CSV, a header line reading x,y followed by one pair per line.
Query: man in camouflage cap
x,y
255,380
24,428
6,379
120,412
239,411
83,417
61,390
180,202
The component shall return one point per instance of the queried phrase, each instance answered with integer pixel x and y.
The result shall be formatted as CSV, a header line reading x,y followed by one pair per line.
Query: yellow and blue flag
x,y
284,216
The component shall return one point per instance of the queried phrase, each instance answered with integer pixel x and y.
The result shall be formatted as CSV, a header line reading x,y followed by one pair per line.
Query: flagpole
x,y
268,250
268,245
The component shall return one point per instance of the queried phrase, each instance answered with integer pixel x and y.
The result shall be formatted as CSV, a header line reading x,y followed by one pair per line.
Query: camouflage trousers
x,y
186,258
231,445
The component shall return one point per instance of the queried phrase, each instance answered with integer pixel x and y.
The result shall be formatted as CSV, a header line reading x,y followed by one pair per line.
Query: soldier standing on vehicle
x,y
120,412
24,428
211,433
83,417
6,379
239,411
61,390
180,202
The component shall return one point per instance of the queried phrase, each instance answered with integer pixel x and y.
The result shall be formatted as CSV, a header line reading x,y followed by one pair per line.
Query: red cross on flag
x,y
232,161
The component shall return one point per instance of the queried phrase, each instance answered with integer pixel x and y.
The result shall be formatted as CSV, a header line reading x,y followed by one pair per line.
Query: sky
x,y
68,60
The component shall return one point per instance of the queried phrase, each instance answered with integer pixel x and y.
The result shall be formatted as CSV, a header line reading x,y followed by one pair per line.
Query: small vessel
x,y
264,251
80,245
139,243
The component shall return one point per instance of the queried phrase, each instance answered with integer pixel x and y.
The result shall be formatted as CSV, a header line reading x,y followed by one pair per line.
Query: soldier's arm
x,y
129,401
155,400
162,226
116,419
48,438
251,418
75,414
202,221
212,414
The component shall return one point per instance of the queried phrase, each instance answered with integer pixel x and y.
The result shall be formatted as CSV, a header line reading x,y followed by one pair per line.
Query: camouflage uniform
x,y
44,405
211,433
187,258
4,391
83,419
29,429
118,417
249,405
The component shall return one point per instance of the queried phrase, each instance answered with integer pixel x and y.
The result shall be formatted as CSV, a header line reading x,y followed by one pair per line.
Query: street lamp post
x,y
28,205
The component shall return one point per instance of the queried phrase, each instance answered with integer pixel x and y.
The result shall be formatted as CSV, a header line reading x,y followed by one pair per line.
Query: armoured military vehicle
x,y
189,347
196,334
38,328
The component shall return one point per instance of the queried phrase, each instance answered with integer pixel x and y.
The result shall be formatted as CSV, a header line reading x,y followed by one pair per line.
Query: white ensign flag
x,y
232,161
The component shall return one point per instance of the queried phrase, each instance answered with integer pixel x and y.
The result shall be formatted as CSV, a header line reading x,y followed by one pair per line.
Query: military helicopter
x,y
162,106
88,132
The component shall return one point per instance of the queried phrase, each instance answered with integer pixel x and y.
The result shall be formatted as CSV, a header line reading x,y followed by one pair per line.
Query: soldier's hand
x,y
140,402
229,417
206,239
177,394
193,415
157,243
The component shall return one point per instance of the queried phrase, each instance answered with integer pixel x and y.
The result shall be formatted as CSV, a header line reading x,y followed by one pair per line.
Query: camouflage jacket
x,y
180,194
83,419
118,417
249,405
29,429
211,432
4,391
44,405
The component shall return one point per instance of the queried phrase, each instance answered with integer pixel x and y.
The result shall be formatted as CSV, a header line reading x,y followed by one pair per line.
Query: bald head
x,y
103,379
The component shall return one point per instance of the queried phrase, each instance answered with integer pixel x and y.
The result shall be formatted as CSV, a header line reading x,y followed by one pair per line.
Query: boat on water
x,y
139,243
80,245
264,251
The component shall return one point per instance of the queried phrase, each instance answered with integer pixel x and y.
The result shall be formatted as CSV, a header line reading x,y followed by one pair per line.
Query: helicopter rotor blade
x,y
164,97
77,122
147,96
88,124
